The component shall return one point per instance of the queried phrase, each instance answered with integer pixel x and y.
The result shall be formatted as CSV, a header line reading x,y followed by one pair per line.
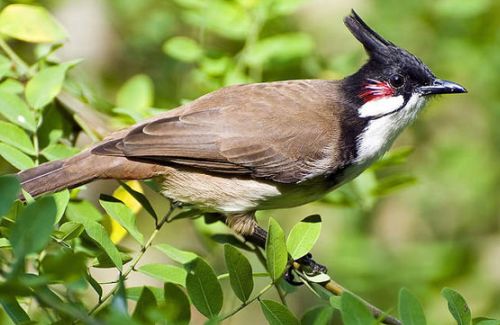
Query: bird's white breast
x,y
381,132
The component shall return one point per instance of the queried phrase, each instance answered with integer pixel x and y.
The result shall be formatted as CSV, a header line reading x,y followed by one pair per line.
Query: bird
x,y
261,146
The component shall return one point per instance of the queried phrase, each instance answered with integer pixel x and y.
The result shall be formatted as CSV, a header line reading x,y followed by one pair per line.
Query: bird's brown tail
x,y
57,175
81,169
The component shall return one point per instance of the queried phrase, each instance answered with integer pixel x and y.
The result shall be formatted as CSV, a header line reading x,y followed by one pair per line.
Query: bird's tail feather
x,y
57,175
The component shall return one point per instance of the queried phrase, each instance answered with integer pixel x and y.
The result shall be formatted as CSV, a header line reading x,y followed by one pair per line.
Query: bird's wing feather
x,y
277,131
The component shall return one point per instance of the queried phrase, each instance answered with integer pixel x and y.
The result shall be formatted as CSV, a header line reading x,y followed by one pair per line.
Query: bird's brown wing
x,y
284,131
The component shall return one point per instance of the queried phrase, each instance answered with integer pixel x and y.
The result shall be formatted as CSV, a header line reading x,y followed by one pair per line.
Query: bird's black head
x,y
390,71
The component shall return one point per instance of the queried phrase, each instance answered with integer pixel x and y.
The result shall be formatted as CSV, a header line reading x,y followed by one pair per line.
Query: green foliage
x,y
410,310
277,314
457,306
204,289
276,253
303,236
240,272
354,312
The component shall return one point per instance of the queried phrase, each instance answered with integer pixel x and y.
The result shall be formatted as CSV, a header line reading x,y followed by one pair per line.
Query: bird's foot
x,y
308,268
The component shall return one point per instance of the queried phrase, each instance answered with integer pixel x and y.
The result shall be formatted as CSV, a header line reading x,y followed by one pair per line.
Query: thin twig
x,y
134,262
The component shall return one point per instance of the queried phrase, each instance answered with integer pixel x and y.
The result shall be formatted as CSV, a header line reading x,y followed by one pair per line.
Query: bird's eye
x,y
397,80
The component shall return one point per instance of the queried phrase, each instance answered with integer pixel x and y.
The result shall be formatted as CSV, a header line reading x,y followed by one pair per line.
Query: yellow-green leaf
x,y
165,273
31,24
15,110
183,49
276,252
303,236
15,157
15,136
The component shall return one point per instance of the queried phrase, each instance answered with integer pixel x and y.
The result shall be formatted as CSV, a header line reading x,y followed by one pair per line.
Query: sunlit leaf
x,y
58,151
183,49
46,84
276,252
31,24
15,110
180,256
240,272
62,199
97,232
303,236
10,189
136,94
133,293
277,314
5,65
16,137
121,213
204,289
16,157
410,310
165,273
458,306
82,211
354,312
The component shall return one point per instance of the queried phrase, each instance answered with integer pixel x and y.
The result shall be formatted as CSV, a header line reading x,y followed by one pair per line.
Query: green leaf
x,y
134,293
14,310
485,321
15,157
141,198
46,84
137,93
146,302
177,309
97,232
457,306
70,230
12,86
183,49
410,310
303,236
353,311
240,272
277,314
180,256
276,252
82,212
33,227
31,24
204,289
15,110
282,47
15,136
58,151
10,189
321,315
5,65
121,213
62,199
335,302
119,300
165,273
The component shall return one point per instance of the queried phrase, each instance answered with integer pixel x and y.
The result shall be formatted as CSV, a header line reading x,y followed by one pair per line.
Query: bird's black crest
x,y
373,42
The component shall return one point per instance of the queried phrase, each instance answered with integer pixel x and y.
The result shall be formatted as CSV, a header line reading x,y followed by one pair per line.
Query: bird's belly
x,y
234,194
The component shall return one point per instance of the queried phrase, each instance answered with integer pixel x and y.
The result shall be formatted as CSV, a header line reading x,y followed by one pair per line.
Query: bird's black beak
x,y
441,87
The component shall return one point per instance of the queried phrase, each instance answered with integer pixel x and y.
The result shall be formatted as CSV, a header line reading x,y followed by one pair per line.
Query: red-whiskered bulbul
x,y
265,145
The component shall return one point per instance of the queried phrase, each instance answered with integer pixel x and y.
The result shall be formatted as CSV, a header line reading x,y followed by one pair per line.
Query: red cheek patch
x,y
374,89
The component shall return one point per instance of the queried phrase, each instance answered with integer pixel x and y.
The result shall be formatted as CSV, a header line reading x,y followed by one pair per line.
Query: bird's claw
x,y
308,267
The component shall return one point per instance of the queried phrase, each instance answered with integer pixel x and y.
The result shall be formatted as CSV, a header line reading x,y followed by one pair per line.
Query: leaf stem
x,y
23,67
246,303
135,261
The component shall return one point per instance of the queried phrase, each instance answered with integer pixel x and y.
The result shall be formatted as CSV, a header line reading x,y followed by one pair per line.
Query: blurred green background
x,y
431,222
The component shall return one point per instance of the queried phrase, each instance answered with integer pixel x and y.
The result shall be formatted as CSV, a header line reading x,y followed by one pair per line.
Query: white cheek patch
x,y
381,106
